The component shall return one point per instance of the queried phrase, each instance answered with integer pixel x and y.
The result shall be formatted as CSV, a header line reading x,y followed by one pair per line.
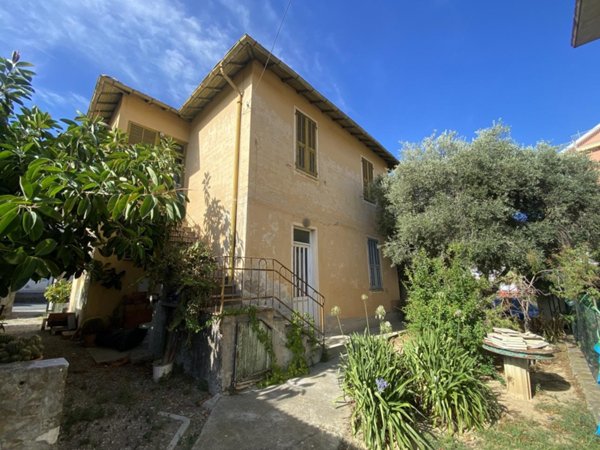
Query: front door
x,y
304,274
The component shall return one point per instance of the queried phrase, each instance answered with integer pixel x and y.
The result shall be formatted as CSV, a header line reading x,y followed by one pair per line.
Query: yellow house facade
x,y
273,169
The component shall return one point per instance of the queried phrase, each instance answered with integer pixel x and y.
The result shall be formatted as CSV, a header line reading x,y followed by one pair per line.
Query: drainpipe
x,y
236,169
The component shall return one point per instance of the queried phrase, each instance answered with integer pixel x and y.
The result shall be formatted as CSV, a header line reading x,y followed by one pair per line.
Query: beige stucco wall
x,y
209,167
332,205
592,140
134,109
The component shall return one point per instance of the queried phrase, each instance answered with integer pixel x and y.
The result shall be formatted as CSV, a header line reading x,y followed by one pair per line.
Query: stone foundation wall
x,y
211,354
31,403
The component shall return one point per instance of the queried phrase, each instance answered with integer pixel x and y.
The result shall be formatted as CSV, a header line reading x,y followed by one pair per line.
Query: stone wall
x,y
31,403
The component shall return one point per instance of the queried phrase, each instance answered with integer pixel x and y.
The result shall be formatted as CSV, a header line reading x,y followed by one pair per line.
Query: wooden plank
x,y
518,381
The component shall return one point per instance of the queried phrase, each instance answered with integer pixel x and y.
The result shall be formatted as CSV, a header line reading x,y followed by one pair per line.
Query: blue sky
x,y
402,69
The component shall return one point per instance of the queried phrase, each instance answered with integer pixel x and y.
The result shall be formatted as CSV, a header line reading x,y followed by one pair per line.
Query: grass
x,y
571,427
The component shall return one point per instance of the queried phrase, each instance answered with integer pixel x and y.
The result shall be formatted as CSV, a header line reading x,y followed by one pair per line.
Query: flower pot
x,y
160,370
57,307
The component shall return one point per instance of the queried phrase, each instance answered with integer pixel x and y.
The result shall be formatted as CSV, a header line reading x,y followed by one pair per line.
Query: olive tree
x,y
499,201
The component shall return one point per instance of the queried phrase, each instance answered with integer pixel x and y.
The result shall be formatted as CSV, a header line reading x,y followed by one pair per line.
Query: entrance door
x,y
304,276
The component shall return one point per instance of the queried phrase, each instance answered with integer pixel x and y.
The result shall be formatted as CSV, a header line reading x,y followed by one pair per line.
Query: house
x,y
589,143
273,170
586,22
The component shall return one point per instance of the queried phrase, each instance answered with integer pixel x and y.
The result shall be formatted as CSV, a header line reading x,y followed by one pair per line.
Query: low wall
x,y
31,403
211,355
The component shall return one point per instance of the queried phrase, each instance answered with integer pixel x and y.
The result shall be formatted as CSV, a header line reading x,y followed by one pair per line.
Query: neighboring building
x,y
588,143
303,179
586,22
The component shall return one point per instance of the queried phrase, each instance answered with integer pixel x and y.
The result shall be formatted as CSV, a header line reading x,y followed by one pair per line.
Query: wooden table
x,y
516,368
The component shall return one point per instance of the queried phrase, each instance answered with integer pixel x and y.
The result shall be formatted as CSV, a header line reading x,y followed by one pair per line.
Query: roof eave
x,y
586,22
106,83
246,50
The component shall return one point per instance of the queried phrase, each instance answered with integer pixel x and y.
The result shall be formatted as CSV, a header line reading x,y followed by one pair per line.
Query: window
x,y
306,144
374,265
141,135
367,176
180,157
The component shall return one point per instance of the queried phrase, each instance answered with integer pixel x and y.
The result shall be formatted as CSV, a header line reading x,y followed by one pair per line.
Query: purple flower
x,y
381,384
520,217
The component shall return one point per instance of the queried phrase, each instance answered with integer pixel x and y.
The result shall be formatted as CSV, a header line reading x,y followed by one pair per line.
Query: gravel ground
x,y
117,406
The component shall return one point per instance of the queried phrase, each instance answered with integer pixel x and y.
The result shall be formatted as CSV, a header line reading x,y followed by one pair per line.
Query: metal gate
x,y
251,358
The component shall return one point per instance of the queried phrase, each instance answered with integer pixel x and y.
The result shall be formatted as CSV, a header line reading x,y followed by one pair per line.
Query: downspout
x,y
236,169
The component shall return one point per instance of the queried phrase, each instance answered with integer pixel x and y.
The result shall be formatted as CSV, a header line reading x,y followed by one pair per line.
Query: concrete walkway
x,y
304,413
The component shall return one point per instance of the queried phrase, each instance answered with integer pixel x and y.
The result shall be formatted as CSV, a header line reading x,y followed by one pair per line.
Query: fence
x,y
585,329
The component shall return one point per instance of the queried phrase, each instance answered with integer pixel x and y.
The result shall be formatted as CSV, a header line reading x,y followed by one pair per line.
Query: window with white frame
x,y
375,282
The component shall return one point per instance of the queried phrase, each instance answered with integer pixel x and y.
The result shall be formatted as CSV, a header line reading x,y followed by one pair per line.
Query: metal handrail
x,y
267,279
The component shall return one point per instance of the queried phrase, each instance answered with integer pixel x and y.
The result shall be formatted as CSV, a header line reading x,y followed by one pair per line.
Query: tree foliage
x,y
66,190
443,295
499,200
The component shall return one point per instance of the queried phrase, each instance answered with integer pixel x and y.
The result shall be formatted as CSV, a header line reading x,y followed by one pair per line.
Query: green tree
x,y
67,190
498,200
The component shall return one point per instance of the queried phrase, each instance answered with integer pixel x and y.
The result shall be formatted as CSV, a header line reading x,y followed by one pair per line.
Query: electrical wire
x,y
274,42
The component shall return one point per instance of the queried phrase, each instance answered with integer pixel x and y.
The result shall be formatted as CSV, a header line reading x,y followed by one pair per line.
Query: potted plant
x,y
57,294
185,274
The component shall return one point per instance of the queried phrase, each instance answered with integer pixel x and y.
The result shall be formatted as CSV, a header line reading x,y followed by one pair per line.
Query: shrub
x,y
448,382
383,409
13,349
445,296
58,292
187,275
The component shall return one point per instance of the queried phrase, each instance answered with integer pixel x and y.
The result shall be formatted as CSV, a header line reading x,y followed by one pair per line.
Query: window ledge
x,y
306,174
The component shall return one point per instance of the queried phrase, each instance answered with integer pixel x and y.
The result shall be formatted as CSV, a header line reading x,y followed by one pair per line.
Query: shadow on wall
x,y
217,222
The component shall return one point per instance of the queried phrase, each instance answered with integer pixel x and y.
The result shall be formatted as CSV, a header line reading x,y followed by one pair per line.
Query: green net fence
x,y
586,330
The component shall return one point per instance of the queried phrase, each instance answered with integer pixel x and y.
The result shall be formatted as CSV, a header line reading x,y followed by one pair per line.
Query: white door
x,y
304,276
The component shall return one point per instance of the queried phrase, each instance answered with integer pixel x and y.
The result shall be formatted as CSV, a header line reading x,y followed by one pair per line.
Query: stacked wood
x,y
507,339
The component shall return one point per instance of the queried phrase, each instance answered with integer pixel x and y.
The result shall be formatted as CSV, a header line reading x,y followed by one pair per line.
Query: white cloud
x,y
61,100
152,45
161,47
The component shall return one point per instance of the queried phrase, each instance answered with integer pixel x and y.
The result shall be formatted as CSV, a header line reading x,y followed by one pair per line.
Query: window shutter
x,y
141,135
367,175
136,133
150,137
306,144
375,282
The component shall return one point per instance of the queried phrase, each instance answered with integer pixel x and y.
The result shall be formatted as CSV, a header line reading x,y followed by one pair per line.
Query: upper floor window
x,y
367,177
142,135
306,144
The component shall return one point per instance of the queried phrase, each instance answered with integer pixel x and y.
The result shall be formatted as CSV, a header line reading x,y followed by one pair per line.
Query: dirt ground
x,y
117,406
551,381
